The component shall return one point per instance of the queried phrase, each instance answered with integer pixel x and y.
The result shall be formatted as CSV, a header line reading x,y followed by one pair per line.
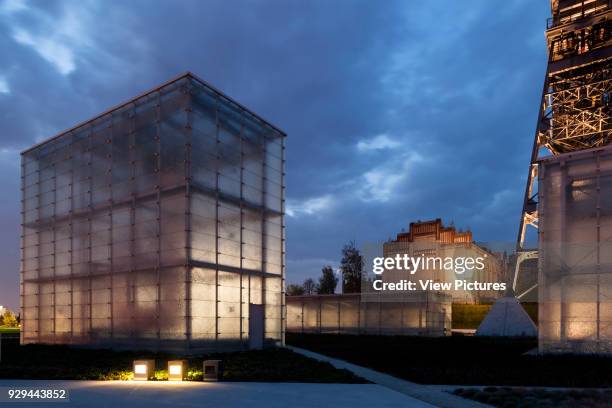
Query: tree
x,y
327,282
351,267
295,290
309,286
9,319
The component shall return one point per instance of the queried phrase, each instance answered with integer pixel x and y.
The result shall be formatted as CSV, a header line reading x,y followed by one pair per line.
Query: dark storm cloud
x,y
442,96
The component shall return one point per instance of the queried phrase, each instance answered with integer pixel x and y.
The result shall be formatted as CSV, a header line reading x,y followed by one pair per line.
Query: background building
x,y
433,239
158,224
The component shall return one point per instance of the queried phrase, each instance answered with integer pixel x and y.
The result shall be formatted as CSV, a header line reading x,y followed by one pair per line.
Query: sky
x,y
395,111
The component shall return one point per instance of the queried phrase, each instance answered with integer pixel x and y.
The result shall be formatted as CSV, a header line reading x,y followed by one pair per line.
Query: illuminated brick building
x,y
434,231
433,239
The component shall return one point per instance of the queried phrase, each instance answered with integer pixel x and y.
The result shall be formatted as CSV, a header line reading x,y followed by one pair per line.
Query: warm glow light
x,y
175,370
143,369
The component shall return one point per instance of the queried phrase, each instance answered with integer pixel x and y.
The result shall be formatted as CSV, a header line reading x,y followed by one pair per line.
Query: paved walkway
x,y
432,394
153,394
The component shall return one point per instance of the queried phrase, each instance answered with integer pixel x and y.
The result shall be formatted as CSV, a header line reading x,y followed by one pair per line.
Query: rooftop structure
x,y
433,239
434,231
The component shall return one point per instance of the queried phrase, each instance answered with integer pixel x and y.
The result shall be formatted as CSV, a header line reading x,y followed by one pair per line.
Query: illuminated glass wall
x,y
414,314
158,224
575,252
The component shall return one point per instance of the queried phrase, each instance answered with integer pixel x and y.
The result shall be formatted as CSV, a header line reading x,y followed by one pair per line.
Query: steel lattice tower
x,y
574,112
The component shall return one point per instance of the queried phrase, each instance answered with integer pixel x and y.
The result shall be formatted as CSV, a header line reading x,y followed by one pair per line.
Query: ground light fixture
x,y
212,370
143,369
176,370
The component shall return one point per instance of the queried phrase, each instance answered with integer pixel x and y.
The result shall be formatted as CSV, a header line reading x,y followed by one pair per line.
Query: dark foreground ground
x,y
461,360
530,398
60,362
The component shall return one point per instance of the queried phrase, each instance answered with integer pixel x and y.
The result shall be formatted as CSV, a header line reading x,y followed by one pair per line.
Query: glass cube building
x,y
575,252
159,224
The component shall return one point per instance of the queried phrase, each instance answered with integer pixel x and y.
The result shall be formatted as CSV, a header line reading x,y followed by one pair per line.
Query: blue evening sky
x,y
395,110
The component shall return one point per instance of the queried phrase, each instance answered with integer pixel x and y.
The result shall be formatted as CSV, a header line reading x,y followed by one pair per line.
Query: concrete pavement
x,y
153,394
431,394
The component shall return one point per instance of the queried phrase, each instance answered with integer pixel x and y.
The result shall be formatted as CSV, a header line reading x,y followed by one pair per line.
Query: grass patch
x,y
506,397
461,360
35,361
10,330
469,316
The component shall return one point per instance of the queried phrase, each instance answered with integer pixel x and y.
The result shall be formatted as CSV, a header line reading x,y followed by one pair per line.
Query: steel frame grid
x,y
187,84
574,112
575,292
423,314
574,118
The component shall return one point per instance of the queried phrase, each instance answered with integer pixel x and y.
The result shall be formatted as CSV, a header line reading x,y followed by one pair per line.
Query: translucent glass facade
x,y
158,224
575,252
420,314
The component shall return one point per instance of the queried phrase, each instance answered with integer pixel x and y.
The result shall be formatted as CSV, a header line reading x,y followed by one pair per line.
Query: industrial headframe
x,y
571,204
158,224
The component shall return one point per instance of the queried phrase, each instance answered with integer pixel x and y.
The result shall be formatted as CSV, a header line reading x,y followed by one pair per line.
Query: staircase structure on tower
x,y
574,112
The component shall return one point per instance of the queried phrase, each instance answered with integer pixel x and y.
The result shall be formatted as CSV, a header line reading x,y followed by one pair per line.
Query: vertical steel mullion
x,y
248,303
54,235
563,231
320,313
302,303
217,175
189,254
38,263
359,306
542,250
111,226
338,316
71,234
282,249
132,167
264,197
89,223
22,293
598,250
159,216
241,238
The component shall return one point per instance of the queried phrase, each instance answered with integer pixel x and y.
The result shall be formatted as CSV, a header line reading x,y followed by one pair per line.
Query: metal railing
x,y
581,10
